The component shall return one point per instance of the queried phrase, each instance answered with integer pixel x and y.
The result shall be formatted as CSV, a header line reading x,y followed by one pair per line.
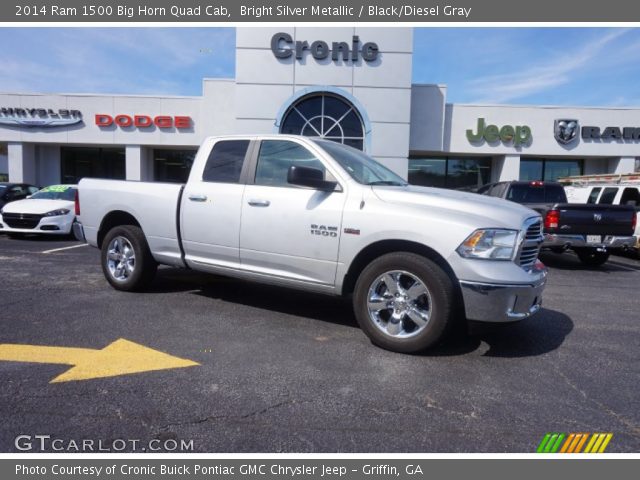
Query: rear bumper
x,y
552,240
485,302
78,232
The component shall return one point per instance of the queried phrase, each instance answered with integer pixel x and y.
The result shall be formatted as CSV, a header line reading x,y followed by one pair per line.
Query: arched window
x,y
325,115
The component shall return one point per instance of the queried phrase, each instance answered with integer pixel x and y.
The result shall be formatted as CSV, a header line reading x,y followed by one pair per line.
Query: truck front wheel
x,y
127,262
592,257
404,302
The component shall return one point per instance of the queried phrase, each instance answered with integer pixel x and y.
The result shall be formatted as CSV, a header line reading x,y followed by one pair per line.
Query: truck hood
x,y
489,211
36,206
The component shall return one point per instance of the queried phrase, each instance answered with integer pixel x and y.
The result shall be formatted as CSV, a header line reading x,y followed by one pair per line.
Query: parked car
x,y
320,216
50,210
609,194
589,230
10,192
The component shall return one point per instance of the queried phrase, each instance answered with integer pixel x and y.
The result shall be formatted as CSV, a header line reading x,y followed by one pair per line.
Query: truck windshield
x,y
362,168
526,193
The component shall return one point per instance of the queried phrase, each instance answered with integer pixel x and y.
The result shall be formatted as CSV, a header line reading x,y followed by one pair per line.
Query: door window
x,y
275,158
630,196
225,161
593,196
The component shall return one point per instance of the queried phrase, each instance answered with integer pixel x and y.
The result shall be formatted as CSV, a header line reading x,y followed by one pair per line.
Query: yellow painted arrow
x,y
121,357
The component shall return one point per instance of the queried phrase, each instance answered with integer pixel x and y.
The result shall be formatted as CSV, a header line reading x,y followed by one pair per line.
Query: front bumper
x,y
56,225
487,302
552,240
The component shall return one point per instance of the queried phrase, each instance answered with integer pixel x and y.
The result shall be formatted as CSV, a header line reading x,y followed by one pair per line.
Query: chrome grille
x,y
531,242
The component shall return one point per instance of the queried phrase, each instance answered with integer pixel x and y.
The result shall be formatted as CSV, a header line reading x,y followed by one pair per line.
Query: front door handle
x,y
259,203
197,198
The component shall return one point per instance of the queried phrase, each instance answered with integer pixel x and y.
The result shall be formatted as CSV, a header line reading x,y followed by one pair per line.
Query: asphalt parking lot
x,y
284,371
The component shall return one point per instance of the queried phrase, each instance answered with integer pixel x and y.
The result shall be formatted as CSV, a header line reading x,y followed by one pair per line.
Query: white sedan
x,y
50,210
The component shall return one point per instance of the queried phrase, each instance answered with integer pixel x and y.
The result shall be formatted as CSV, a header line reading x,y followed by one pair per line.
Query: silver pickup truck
x,y
317,215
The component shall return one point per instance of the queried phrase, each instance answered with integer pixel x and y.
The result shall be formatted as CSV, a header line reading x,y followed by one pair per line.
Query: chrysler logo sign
x,y
565,131
39,117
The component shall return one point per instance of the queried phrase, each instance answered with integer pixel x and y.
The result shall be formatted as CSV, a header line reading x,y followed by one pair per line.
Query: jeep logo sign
x,y
283,46
517,136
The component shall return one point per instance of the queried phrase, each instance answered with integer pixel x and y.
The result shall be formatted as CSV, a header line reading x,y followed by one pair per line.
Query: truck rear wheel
x,y
127,262
404,302
592,257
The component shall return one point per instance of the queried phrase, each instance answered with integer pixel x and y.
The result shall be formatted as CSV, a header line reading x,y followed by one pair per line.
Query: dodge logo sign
x,y
565,131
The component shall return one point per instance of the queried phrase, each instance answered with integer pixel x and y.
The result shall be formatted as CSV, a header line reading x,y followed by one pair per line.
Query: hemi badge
x,y
352,231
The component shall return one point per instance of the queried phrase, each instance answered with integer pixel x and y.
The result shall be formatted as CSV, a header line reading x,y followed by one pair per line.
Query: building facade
x,y
351,85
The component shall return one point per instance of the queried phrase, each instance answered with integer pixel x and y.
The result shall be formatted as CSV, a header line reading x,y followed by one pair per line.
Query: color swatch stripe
x,y
555,442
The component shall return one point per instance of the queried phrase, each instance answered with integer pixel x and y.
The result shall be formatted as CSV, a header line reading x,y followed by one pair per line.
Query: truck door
x,y
211,205
287,230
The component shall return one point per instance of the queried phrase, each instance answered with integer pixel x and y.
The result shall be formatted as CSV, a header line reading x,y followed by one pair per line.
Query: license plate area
x,y
594,239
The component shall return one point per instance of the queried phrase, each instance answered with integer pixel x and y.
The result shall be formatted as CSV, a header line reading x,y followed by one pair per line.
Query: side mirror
x,y
309,177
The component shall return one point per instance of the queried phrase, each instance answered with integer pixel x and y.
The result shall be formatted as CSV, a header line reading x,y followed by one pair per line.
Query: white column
x,y
22,162
136,164
622,165
505,167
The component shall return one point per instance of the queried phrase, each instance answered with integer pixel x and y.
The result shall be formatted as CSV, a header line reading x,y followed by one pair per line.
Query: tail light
x,y
77,203
634,221
552,219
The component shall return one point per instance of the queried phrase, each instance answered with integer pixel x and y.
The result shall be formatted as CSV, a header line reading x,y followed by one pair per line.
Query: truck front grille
x,y
21,220
530,247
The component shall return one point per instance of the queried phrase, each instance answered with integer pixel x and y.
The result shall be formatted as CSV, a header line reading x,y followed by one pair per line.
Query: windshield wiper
x,y
390,183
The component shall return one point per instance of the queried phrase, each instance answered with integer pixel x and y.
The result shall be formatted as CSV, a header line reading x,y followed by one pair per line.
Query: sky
x,y
541,66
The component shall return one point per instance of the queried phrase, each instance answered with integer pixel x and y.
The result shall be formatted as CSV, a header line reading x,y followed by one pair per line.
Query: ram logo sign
x,y
566,131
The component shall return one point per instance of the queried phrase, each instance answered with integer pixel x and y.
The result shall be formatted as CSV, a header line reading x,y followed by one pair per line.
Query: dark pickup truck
x,y
589,230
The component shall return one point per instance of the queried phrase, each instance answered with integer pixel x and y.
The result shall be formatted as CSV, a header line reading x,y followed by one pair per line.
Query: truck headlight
x,y
55,213
489,244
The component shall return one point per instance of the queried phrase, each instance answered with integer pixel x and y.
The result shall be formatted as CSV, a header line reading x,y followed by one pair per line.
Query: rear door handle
x,y
259,203
197,198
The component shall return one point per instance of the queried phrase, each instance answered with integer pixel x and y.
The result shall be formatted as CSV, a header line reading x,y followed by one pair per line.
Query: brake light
x,y
77,203
536,183
552,219
634,221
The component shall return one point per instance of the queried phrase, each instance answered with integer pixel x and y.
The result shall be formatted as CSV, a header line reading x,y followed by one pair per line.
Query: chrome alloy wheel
x,y
121,259
399,304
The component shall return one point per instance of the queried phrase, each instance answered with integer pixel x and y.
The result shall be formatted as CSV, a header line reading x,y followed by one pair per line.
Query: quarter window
x,y
275,158
608,196
593,196
225,161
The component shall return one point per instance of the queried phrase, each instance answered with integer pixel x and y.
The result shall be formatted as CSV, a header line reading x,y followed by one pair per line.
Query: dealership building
x,y
352,85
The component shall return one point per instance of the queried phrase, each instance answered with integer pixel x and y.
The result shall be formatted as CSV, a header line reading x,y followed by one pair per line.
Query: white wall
x,y
265,84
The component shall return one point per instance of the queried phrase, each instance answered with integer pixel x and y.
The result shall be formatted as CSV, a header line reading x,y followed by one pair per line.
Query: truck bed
x,y
154,206
589,219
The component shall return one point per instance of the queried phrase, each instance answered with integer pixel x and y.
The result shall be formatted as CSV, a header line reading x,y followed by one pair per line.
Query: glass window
x,y
225,161
362,168
56,192
608,196
325,115
172,165
80,162
531,169
593,196
462,173
429,172
554,169
527,193
275,158
630,196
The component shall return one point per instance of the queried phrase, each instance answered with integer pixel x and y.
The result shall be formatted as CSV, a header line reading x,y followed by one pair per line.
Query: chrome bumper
x,y
78,232
486,302
552,240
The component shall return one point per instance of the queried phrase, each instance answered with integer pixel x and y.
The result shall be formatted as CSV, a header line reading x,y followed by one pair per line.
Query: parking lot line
x,y
65,248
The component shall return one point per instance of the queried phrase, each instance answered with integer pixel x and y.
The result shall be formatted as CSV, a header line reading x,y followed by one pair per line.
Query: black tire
x,y
439,299
591,257
143,267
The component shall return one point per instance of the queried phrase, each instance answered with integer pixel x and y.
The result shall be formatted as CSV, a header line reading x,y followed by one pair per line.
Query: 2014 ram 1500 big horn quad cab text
x,y
317,215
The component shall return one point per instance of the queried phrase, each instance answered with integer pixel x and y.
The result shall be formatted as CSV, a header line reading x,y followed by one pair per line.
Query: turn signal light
x,y
552,219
